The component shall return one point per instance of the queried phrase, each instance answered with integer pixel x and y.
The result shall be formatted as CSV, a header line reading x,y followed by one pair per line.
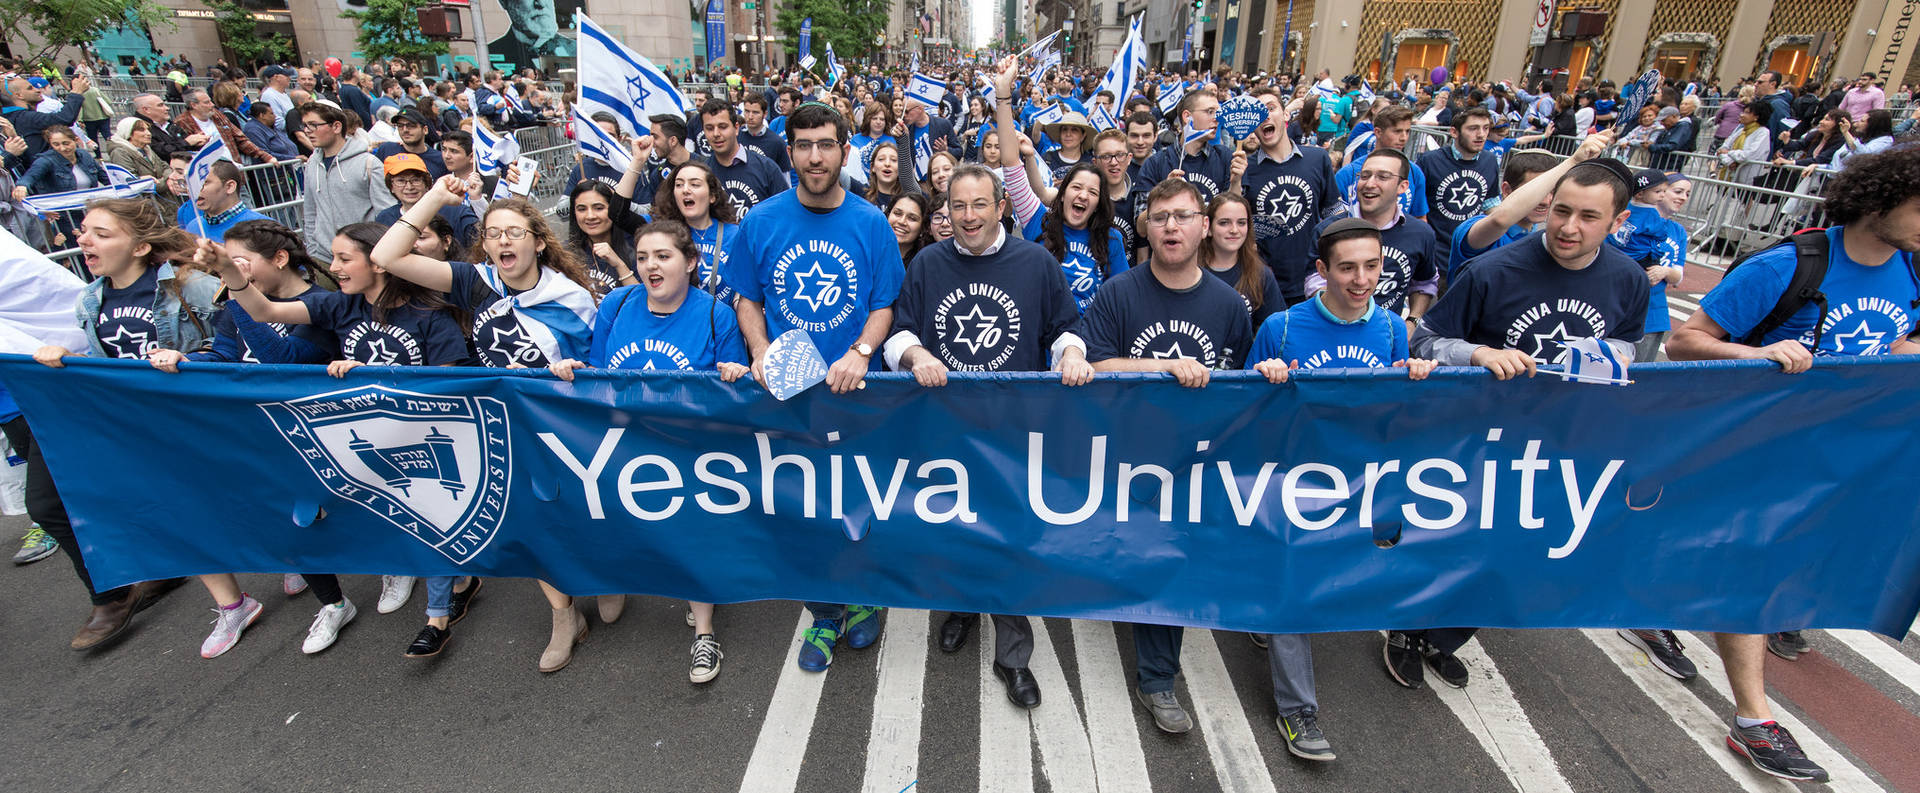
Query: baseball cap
x,y
1648,177
410,115
1668,112
37,82
403,162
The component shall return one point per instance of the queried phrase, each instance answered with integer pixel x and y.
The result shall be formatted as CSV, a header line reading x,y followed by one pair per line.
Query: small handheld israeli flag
x,y
1188,134
926,90
1366,92
985,84
1102,119
202,163
915,65
1592,360
596,143
1170,97
1054,114
793,365
1325,90
117,175
807,62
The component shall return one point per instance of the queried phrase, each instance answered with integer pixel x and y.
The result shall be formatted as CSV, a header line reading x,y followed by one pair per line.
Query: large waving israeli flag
x,y
49,203
1128,64
596,143
835,72
620,81
202,163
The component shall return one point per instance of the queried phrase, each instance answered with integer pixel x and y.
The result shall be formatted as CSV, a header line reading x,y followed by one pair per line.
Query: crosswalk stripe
x,y
1237,761
782,745
1488,710
1902,669
1006,750
1845,775
1686,710
1916,626
1065,757
1119,762
893,745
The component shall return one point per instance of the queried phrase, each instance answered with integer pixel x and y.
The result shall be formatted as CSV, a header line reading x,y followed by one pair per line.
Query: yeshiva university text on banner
x,y
1720,496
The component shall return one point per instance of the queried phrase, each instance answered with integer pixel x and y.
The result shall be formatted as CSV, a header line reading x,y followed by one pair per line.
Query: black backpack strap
x,y
1810,269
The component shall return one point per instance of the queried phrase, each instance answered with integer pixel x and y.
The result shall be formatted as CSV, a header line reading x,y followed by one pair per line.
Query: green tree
x,y
391,29
849,24
60,24
240,32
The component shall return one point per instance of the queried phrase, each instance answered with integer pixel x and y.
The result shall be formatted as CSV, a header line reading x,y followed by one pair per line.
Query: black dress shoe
x,y
1022,689
429,643
953,632
457,604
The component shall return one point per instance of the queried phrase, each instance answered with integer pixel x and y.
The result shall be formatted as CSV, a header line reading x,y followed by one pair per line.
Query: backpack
x,y
1809,270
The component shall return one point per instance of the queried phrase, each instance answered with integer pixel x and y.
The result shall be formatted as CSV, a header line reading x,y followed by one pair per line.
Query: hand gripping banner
x,y
1723,496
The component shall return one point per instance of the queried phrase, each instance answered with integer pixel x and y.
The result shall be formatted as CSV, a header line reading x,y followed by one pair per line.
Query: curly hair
x,y
555,257
1873,184
719,206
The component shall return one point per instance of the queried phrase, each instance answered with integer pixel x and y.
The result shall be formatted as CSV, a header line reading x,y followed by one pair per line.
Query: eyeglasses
x,y
975,208
515,233
1182,218
1111,156
941,218
1379,176
314,125
806,147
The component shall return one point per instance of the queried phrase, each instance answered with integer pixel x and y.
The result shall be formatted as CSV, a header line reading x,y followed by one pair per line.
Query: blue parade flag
x,y
716,32
1741,499
806,37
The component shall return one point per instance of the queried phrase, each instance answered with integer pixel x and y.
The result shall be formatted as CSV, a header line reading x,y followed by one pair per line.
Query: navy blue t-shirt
x,y
1457,189
1518,298
125,325
503,336
770,144
1272,300
1287,198
1135,316
409,335
466,225
699,335
1207,170
995,313
1869,307
239,338
751,179
1409,255
436,164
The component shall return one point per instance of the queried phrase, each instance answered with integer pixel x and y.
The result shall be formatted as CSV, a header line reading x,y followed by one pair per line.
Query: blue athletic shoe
x,y
863,626
816,645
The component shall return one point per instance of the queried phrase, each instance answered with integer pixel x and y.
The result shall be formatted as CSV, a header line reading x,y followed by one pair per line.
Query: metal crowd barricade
x,y
1423,138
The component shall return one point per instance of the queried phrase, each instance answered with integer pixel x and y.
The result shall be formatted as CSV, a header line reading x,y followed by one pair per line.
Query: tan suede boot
x,y
569,627
611,606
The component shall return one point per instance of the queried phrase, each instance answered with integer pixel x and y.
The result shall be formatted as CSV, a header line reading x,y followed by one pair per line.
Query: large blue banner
x,y
716,32
1705,496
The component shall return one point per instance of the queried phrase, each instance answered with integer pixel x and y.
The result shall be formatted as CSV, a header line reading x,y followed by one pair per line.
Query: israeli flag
x,y
1593,360
1170,97
620,81
202,163
1054,114
1103,119
835,72
1366,92
49,203
493,153
1047,61
807,62
985,84
1038,45
1129,62
116,174
596,143
1325,90
926,90
914,65
1189,134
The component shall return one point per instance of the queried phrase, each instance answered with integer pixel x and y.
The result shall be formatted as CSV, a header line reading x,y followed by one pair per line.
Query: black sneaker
x,y
457,605
1789,645
1664,650
1444,664
1259,640
1770,748
1403,660
429,642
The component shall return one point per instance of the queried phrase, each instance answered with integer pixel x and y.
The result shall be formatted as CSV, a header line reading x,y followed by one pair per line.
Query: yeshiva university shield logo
x,y
435,466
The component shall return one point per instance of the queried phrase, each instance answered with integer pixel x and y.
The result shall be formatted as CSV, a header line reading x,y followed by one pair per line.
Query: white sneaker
x,y
394,592
327,624
227,626
293,584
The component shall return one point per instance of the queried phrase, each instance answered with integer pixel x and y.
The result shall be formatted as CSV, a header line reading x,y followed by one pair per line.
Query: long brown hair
x,y
556,257
399,292
1248,265
143,222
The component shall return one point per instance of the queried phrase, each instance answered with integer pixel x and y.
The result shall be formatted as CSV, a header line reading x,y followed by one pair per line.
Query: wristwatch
x,y
864,349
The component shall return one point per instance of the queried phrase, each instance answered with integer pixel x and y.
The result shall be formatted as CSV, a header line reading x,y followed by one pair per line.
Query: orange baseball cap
x,y
403,162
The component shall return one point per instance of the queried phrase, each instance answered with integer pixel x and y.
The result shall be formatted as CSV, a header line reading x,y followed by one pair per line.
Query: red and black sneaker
x,y
1770,748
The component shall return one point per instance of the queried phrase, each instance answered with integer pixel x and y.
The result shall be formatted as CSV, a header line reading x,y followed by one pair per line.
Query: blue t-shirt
x,y
770,144
1457,189
1459,252
239,338
1413,200
822,272
1272,300
698,335
1207,170
1084,273
751,179
217,231
536,335
408,335
125,324
710,240
1340,106
1517,297
1640,237
1869,307
436,164
995,313
1312,335
1136,316
1287,198
1673,253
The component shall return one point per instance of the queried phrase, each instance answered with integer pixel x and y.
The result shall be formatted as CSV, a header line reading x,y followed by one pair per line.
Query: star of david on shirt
x,y
978,321
126,344
1860,332
382,353
1174,352
513,342
1557,337
820,281
1462,196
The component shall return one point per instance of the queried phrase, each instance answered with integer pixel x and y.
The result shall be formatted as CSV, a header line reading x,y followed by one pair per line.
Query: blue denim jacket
x,y
186,328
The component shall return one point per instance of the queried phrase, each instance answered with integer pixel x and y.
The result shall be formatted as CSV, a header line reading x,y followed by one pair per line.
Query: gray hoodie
x,y
352,189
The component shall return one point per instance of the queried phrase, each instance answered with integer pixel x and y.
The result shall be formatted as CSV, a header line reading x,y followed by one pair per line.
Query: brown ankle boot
x,y
106,622
569,627
611,607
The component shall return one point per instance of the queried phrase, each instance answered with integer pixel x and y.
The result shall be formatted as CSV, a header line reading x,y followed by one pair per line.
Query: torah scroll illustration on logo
x,y
437,467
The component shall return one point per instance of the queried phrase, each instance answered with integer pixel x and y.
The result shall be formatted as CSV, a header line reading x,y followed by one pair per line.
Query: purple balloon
x,y
1439,75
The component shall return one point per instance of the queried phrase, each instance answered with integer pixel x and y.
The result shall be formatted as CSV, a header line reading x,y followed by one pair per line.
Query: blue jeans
x,y
1156,656
440,594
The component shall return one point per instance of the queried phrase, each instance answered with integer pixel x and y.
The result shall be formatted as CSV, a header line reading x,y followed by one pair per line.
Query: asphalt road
x,y
1546,710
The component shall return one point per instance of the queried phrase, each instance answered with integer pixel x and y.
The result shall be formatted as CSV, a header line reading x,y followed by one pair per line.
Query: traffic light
x,y
1198,4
